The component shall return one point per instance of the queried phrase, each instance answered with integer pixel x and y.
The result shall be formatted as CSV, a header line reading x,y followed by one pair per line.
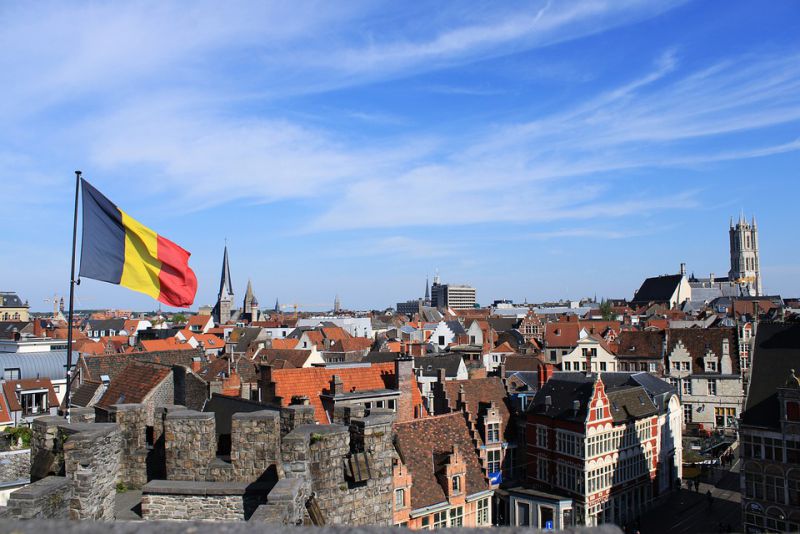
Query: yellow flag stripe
x,y
141,268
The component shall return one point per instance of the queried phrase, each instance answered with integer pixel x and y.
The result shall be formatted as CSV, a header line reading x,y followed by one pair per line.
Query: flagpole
x,y
71,296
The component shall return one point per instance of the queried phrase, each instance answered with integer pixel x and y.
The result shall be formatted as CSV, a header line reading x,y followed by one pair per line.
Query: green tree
x,y
179,318
605,310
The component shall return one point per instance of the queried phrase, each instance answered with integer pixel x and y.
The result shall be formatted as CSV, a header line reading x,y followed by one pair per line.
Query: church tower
x,y
222,310
250,304
745,263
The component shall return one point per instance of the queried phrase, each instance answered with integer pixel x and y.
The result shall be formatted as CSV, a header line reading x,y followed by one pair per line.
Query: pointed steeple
x,y
277,305
427,289
248,294
754,222
225,286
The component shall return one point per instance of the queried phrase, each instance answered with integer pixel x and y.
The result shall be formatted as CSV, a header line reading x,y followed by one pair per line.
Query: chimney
x,y
683,269
196,364
545,372
441,375
336,384
711,279
503,371
462,398
403,373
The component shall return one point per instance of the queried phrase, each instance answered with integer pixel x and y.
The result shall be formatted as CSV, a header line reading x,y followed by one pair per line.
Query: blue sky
x,y
534,150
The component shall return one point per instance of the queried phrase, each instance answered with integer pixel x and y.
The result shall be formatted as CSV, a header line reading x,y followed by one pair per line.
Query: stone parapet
x,y
81,415
200,500
91,463
189,444
47,498
296,415
132,422
255,445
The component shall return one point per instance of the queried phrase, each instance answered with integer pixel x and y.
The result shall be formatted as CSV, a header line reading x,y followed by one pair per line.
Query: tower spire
x,y
225,278
427,289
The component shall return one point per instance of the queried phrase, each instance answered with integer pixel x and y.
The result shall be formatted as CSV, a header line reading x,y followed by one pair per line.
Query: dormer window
x,y
711,366
399,499
456,484
493,432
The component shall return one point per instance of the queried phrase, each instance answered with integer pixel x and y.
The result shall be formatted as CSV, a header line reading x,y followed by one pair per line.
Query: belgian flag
x,y
118,249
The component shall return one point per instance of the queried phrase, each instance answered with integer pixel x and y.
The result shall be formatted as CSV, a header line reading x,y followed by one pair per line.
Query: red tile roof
x,y
10,388
315,381
352,344
134,383
170,343
315,337
198,320
424,443
479,392
287,343
566,333
503,348
334,333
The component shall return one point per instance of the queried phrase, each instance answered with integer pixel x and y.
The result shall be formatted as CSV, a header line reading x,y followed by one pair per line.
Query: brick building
x,y
437,477
593,452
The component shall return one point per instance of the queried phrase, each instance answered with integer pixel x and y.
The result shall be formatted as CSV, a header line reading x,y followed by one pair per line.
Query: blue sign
x,y
496,477
548,524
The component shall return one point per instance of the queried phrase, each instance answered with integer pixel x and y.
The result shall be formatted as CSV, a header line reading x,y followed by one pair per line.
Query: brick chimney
x,y
336,385
404,372
545,372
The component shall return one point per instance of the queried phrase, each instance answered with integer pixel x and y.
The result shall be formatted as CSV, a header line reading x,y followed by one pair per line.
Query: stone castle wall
x,y
317,454
198,501
15,465
190,444
74,469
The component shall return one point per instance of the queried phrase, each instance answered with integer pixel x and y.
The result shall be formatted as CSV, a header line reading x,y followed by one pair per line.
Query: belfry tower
x,y
745,263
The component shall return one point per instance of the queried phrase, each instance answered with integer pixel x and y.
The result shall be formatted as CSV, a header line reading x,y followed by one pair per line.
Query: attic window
x,y
641,400
614,405
456,484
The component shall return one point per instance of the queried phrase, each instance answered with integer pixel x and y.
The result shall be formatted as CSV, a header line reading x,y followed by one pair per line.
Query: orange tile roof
x,y
170,343
198,320
312,382
285,343
352,344
315,337
209,341
335,333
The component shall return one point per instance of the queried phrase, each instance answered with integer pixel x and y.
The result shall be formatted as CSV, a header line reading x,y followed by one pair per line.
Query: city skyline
x,y
536,151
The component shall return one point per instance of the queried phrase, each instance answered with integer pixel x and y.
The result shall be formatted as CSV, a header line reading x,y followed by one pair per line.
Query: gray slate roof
x,y
657,289
777,351
431,364
45,364
9,299
455,327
